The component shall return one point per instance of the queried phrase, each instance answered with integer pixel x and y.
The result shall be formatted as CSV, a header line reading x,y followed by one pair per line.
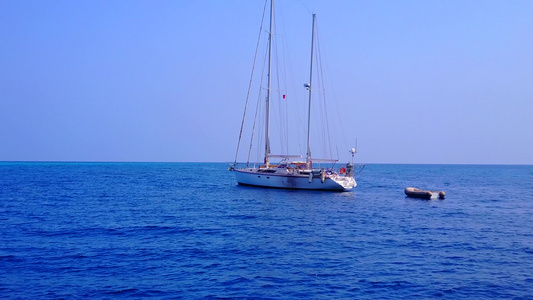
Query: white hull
x,y
331,182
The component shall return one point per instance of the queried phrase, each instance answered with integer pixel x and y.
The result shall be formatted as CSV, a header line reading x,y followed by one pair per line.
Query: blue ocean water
x,y
187,230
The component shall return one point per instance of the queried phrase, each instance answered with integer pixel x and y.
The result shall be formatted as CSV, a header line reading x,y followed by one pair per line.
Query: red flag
x,y
283,96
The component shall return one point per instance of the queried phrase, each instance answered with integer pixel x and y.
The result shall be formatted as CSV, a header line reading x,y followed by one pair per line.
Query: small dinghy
x,y
423,194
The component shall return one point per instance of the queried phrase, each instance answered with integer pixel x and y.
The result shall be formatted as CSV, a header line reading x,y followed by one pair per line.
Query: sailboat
x,y
291,171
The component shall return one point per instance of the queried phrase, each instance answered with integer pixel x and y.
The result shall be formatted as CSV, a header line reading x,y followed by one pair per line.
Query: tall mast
x,y
267,133
309,87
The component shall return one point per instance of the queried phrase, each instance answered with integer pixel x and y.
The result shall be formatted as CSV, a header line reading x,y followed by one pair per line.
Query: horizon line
x,y
228,162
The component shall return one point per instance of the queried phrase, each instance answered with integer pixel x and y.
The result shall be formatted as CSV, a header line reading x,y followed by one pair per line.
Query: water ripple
x,y
106,230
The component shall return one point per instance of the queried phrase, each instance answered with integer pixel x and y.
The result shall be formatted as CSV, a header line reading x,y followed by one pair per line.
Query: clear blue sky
x,y
419,81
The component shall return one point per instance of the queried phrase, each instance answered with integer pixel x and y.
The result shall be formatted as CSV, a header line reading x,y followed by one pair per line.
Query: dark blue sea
x,y
187,230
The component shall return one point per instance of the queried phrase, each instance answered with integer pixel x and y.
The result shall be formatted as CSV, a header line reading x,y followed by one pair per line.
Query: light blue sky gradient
x,y
417,81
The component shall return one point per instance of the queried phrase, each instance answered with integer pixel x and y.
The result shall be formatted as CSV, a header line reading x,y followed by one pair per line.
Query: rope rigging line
x,y
280,72
286,112
327,135
259,98
280,123
320,112
337,112
250,85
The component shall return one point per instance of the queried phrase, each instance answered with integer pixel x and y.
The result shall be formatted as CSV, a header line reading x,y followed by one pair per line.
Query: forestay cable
x,y
250,84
